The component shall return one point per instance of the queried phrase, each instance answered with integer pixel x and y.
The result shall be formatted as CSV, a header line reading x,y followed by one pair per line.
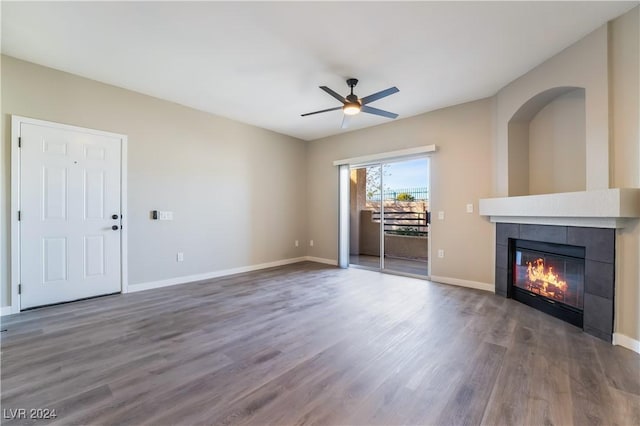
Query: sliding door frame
x,y
344,167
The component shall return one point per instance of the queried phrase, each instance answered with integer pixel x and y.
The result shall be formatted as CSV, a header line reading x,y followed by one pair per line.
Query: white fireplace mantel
x,y
605,208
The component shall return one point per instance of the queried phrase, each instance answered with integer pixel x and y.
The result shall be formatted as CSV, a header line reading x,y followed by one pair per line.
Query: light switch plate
x,y
441,253
469,208
162,215
440,215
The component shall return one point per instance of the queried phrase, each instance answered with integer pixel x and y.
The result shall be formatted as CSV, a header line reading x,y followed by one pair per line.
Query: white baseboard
x,y
322,260
208,275
626,342
464,283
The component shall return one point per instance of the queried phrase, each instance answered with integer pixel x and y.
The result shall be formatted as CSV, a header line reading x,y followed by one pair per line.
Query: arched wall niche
x,y
547,143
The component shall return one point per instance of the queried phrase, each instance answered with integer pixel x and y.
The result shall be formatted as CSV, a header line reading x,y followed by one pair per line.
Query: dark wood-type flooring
x,y
312,344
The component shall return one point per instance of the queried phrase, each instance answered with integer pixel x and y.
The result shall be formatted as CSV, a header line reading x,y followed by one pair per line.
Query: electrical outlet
x,y
469,208
440,215
441,253
311,243
297,243
180,257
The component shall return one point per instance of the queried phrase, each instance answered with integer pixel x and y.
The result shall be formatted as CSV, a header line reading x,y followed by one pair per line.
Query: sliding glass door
x,y
388,216
405,224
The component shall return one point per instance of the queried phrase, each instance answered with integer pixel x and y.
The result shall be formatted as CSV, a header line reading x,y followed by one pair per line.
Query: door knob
x,y
114,227
114,216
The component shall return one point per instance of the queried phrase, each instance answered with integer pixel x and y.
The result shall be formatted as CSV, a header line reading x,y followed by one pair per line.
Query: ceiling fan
x,y
352,105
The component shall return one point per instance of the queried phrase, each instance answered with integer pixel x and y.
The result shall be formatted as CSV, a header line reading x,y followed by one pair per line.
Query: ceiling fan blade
x,y
379,95
318,112
334,94
346,119
377,111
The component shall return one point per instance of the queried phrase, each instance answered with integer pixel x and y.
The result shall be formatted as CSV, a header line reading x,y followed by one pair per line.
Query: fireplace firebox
x,y
581,257
549,277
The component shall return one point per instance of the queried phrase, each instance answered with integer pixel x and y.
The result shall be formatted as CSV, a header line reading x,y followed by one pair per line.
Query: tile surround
x,y
599,246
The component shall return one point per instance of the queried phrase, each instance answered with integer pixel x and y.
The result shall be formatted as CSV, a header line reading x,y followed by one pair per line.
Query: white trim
x,y
15,207
603,208
16,121
321,260
584,222
381,233
387,156
209,275
464,283
626,342
124,222
63,126
429,197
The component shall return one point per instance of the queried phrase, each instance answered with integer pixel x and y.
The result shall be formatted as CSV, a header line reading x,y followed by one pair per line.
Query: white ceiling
x,y
262,63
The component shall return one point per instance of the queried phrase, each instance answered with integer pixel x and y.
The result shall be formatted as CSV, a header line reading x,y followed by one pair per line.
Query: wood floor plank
x,y
619,366
592,401
470,398
312,344
627,408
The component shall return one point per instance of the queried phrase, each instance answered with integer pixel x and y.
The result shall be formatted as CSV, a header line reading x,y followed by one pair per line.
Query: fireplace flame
x,y
537,273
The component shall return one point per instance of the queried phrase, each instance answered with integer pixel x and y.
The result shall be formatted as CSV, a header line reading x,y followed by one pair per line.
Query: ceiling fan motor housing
x,y
351,98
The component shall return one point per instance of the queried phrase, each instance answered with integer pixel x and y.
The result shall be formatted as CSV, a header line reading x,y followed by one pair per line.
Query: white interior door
x,y
70,207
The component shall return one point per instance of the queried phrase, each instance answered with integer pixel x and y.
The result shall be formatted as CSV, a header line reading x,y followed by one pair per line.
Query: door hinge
x,y
19,216
19,288
19,142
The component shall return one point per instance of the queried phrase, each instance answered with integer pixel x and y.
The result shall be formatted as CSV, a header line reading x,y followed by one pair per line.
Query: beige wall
x,y
518,135
557,154
460,174
584,65
237,191
624,73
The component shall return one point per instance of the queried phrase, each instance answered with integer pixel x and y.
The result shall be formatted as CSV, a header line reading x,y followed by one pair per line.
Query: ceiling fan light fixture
x,y
351,108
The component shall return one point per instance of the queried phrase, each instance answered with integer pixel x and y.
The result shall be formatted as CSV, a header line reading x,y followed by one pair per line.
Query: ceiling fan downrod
x,y
352,82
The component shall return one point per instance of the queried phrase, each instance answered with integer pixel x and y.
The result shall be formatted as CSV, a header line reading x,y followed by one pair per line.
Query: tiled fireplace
x,y
565,271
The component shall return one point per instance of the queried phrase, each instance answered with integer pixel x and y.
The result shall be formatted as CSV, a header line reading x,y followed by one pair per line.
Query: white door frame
x,y
16,122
